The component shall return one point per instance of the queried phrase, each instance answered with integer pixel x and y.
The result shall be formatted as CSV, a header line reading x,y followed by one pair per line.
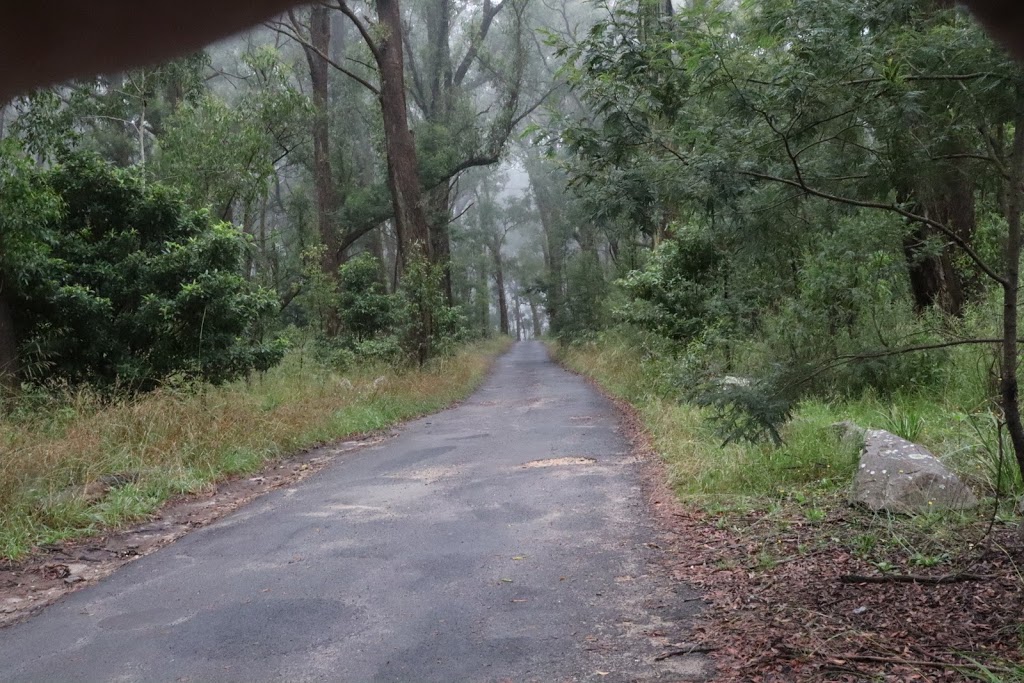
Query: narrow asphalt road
x,y
503,540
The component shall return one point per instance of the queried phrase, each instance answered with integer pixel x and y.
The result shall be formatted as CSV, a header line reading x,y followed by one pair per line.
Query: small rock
x,y
849,432
73,579
56,571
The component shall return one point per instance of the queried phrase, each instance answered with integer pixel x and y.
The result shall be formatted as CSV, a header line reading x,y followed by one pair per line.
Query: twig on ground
x,y
904,578
695,649
869,659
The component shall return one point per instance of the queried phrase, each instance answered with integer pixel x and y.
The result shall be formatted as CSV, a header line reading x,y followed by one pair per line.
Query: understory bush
x,y
124,287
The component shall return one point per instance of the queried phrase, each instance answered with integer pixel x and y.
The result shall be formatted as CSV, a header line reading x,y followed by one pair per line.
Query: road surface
x,y
503,540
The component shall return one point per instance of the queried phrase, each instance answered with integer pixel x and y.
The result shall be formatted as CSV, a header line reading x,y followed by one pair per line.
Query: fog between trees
x,y
823,196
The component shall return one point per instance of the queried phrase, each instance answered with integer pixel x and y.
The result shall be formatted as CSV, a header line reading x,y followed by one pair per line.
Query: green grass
x,y
812,460
1002,674
809,476
698,464
762,493
176,441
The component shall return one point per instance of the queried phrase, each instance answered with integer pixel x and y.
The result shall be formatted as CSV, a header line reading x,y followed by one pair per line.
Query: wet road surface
x,y
503,540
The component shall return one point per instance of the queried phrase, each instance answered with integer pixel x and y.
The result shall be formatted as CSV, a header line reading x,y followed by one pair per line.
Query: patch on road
x,y
560,462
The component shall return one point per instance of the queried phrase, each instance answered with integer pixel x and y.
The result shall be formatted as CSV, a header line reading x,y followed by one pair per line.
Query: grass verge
x,y
74,465
768,535
812,460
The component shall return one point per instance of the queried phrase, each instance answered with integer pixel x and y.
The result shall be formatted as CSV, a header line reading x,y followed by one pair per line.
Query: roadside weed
x,y
903,421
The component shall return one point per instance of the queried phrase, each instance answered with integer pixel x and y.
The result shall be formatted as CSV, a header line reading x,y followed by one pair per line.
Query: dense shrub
x,y
129,287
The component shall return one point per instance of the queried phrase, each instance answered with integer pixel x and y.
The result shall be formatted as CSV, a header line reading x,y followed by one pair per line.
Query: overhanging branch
x,y
893,208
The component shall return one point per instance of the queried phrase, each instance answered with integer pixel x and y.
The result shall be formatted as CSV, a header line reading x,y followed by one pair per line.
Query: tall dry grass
x,y
176,440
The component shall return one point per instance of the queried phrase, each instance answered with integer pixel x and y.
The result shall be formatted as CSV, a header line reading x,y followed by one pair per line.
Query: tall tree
x,y
328,201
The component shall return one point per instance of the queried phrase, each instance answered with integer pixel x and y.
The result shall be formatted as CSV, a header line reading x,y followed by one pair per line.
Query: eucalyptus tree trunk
x,y
8,345
327,199
499,283
1009,385
517,310
403,165
935,278
141,131
438,209
538,330
439,107
483,295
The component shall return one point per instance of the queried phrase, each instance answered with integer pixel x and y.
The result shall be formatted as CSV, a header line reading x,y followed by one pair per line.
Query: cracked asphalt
x,y
506,539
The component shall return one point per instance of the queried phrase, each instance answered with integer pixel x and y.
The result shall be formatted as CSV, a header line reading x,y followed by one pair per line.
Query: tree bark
x,y
1008,385
538,330
439,109
327,199
482,297
438,203
403,165
517,304
9,368
499,283
934,278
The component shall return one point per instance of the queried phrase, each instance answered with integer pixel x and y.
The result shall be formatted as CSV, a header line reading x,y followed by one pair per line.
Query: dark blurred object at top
x,y
43,43
1004,19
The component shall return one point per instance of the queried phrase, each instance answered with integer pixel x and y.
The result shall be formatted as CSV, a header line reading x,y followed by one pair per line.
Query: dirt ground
x,y
814,613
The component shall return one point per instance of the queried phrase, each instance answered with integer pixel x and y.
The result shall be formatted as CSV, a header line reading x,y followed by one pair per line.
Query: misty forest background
x,y
750,219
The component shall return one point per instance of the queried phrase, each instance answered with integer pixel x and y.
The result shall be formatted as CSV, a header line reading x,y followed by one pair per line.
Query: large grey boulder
x,y
896,475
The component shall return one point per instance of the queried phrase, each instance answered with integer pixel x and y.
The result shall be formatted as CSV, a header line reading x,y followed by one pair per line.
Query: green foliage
x,y
367,310
425,324
903,422
674,295
808,458
749,411
763,158
218,152
128,287
378,327
30,205
583,305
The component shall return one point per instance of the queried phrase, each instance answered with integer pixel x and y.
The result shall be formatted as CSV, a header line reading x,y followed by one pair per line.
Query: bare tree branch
x,y
928,77
361,27
306,45
893,208
410,63
489,12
